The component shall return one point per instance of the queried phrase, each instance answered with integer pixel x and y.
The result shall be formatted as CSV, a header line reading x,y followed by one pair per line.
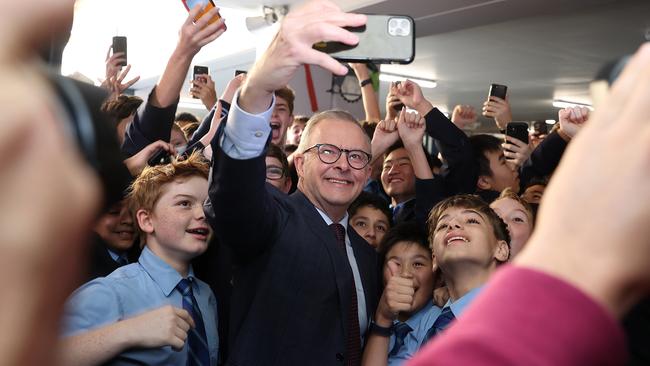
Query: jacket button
x,y
339,357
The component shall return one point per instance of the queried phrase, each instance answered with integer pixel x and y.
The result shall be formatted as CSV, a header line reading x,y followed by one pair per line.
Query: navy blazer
x,y
292,284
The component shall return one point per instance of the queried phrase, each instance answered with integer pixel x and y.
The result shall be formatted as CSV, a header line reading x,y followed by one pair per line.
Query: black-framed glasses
x,y
274,172
330,154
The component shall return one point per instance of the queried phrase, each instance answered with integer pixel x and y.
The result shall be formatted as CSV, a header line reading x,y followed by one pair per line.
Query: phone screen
x,y
207,6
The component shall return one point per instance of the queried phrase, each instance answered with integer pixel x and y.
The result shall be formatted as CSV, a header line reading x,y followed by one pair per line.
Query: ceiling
x,y
541,49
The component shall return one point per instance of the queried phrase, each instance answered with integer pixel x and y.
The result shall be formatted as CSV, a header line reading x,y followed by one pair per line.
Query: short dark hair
x,y
290,148
408,231
481,145
287,94
186,117
397,145
300,119
370,199
536,181
121,108
473,202
274,151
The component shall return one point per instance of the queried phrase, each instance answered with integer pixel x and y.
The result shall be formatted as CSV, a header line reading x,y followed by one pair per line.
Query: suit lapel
x,y
338,259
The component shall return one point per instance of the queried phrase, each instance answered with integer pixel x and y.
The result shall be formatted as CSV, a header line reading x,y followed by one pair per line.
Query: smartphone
x,y
161,157
119,45
518,130
237,72
207,6
499,91
200,70
385,39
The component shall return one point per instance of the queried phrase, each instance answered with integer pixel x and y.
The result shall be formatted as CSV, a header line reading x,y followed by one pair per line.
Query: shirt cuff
x,y
245,135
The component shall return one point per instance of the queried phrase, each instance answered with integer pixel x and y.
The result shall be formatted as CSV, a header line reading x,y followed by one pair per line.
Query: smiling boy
x,y
405,311
167,202
469,241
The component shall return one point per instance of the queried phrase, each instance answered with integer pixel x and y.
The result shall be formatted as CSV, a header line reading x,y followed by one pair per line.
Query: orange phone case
x,y
209,5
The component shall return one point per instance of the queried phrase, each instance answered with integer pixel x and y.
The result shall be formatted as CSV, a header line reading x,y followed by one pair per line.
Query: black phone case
x,y
161,157
518,130
375,43
499,91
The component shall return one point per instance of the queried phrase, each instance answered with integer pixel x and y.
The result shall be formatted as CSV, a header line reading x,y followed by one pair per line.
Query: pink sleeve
x,y
526,317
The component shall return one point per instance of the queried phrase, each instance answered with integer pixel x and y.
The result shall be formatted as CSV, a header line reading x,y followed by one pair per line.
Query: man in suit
x,y
305,284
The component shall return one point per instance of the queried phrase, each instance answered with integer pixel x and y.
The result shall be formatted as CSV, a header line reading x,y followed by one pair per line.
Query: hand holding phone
x,y
206,6
518,130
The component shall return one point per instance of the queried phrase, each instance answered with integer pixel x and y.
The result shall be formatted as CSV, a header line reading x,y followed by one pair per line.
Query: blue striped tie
x,y
198,351
401,330
441,323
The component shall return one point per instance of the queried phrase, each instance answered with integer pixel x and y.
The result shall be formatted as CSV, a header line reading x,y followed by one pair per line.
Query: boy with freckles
x,y
155,311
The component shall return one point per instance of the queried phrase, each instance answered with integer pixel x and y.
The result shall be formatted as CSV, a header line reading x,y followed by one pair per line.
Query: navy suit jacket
x,y
292,285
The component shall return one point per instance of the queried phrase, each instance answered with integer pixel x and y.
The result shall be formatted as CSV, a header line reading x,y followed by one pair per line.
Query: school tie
x,y
401,330
396,211
122,261
441,323
198,351
353,341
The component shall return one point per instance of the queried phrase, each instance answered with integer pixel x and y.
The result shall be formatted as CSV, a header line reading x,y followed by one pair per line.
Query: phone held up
x,y
119,46
200,73
518,130
385,39
206,5
499,91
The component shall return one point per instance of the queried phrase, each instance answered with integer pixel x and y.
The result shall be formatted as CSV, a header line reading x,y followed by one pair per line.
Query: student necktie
x,y
353,341
198,351
401,330
122,261
441,323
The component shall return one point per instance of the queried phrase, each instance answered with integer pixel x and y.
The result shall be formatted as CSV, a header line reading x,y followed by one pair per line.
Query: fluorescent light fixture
x,y
189,104
567,104
423,83
550,121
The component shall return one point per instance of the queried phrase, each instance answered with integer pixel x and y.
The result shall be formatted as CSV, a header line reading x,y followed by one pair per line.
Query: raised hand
x,y
463,116
516,151
292,47
411,95
572,119
411,129
232,87
398,294
194,35
499,109
385,135
203,88
137,162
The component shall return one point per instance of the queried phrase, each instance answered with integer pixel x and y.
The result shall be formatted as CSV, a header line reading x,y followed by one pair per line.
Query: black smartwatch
x,y
379,330
365,82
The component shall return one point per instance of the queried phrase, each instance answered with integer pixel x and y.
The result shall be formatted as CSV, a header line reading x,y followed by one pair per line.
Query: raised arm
x,y
368,94
460,172
238,170
155,120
